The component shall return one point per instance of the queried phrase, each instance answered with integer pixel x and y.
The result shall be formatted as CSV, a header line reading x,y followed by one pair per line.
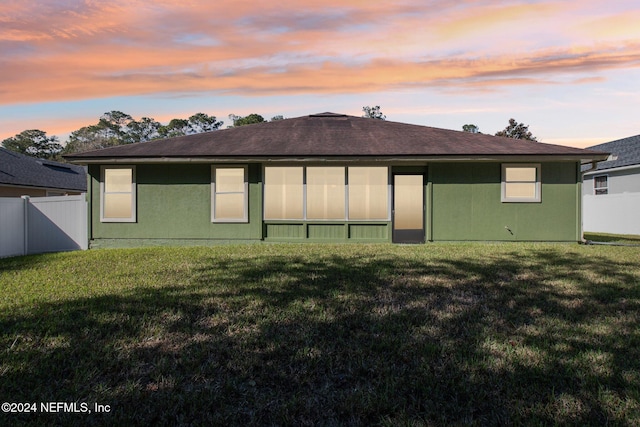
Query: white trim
x,y
245,218
538,187
133,217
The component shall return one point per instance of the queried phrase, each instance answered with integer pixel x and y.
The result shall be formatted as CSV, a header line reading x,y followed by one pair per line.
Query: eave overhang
x,y
342,159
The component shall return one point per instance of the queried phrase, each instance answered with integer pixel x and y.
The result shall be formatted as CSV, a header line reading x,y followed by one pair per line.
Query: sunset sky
x,y
568,69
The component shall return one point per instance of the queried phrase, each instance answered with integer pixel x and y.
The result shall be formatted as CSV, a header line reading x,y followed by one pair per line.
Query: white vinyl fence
x,y
611,213
33,225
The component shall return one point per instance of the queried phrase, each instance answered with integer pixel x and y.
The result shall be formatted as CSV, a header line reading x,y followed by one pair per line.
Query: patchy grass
x,y
450,334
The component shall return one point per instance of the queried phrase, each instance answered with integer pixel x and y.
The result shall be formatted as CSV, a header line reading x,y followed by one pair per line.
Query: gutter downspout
x,y
581,173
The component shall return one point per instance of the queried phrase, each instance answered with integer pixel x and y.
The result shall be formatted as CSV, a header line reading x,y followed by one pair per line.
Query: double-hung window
x,y
118,194
229,194
600,185
521,183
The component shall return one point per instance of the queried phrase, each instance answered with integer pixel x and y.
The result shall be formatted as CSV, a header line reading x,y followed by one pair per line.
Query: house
x,y
22,175
611,191
334,178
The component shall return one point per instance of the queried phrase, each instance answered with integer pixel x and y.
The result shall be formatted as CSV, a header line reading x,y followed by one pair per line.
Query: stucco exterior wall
x,y
466,204
174,202
462,202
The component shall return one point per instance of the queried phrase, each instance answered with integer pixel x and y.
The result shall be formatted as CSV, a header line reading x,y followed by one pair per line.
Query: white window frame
x,y
134,186
245,218
595,189
538,186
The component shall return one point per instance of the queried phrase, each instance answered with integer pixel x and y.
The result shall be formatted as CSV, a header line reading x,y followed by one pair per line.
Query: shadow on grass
x,y
343,339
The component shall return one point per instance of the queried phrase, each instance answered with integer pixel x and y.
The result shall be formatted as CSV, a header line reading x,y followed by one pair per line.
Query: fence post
x,y
25,231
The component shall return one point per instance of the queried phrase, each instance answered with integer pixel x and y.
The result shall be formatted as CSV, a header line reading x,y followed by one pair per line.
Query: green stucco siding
x,y
462,200
174,202
466,204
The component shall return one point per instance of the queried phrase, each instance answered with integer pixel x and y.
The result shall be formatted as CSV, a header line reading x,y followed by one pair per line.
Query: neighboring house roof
x,y
332,135
624,152
19,170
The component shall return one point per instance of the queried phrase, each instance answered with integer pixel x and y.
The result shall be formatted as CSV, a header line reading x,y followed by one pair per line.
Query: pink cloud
x,y
101,49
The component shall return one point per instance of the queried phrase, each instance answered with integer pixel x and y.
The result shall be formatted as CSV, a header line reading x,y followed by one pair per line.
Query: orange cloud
x,y
101,49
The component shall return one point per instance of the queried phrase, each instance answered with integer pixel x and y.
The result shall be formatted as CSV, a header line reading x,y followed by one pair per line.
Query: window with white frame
x,y
118,194
601,184
229,194
357,193
521,183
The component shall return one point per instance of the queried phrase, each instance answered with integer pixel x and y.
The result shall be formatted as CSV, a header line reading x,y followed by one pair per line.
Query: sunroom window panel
x,y
368,193
325,193
283,193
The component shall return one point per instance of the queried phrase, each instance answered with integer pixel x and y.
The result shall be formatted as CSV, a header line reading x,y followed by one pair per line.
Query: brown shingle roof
x,y
332,135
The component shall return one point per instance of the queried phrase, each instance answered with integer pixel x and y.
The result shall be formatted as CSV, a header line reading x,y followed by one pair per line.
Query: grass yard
x,y
436,334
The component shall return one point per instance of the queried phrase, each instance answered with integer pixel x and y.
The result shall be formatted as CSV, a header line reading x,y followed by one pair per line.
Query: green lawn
x,y
436,334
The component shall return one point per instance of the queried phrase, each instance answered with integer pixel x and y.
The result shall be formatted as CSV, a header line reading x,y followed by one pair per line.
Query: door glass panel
x,y
408,202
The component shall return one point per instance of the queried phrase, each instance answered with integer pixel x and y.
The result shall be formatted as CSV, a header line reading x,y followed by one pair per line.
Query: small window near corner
x,y
118,194
600,185
229,194
521,183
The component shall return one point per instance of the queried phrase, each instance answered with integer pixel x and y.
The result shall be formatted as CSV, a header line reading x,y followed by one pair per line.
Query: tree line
x,y
514,130
118,128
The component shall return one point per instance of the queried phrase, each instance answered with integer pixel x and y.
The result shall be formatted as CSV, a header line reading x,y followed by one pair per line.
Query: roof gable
x,y
20,170
332,135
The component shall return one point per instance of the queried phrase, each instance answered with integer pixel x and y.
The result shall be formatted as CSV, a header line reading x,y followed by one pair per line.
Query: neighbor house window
x,y
521,183
118,194
229,194
283,193
601,184
368,193
325,193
